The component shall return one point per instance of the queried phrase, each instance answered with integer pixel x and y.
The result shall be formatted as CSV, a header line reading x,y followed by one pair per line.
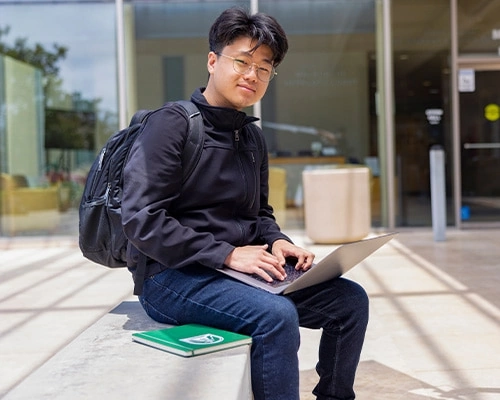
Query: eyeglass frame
x,y
236,59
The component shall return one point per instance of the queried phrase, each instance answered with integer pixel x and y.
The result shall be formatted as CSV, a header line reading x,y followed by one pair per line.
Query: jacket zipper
x,y
250,195
237,138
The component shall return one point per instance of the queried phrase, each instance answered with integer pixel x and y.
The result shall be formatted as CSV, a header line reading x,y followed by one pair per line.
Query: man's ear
x,y
212,59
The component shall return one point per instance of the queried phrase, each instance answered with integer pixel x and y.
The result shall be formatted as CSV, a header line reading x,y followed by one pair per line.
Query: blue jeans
x,y
339,307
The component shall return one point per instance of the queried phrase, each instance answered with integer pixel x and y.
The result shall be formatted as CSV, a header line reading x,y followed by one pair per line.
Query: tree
x,y
69,129
38,55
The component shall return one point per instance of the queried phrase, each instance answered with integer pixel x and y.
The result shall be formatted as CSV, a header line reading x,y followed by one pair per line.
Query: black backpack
x,y
101,236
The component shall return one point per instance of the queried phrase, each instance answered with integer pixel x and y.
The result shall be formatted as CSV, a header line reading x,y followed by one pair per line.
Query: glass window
x,y
421,44
316,111
167,47
58,103
479,101
478,27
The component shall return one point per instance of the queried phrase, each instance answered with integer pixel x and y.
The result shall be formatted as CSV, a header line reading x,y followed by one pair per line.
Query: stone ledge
x,y
104,363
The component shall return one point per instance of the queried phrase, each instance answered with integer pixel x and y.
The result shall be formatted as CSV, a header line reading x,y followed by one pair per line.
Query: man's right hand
x,y
256,260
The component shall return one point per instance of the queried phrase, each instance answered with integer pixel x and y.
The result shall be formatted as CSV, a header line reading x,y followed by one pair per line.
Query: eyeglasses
x,y
243,65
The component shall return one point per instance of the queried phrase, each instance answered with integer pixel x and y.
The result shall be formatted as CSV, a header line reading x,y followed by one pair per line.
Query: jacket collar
x,y
223,118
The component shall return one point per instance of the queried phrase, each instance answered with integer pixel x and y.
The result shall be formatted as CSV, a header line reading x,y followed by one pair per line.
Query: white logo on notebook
x,y
207,338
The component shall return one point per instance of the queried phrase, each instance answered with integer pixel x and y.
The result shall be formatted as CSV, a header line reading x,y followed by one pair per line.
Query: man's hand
x,y
283,249
256,260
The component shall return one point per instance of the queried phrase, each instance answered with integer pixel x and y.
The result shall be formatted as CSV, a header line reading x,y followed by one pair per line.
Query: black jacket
x,y
222,205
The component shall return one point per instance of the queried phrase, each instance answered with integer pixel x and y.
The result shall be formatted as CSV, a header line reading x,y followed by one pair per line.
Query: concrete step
x,y
104,363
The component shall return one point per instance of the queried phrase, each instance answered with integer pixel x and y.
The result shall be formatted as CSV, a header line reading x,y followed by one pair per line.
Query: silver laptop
x,y
335,264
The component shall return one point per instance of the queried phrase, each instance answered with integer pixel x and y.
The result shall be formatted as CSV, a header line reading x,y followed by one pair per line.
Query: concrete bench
x,y
104,363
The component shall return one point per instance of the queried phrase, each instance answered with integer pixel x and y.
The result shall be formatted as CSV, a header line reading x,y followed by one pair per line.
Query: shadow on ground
x,y
375,381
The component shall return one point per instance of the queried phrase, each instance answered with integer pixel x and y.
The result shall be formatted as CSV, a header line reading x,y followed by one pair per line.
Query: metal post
x,y
385,113
389,115
257,107
455,115
120,50
438,192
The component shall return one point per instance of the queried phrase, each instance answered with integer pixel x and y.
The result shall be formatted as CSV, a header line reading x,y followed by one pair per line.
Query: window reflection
x,y
58,105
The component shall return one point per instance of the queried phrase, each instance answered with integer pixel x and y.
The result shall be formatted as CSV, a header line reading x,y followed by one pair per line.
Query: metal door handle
x,y
481,146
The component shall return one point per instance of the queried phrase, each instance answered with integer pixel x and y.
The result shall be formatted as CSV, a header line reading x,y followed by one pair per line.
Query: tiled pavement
x,y
434,329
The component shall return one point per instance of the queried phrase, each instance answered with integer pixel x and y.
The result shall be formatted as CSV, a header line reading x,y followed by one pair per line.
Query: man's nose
x,y
253,68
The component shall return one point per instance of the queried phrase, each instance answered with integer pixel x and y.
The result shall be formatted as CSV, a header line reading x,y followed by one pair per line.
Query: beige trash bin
x,y
337,204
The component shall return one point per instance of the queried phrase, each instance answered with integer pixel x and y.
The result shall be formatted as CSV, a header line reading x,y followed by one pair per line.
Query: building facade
x,y
381,83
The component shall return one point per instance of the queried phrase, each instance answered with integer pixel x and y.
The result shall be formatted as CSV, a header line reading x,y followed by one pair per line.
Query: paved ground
x,y
433,334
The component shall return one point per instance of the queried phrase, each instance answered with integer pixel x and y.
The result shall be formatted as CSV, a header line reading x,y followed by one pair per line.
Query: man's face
x,y
228,88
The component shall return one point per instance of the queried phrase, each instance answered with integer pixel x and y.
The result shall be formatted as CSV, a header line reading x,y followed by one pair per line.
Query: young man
x,y
221,217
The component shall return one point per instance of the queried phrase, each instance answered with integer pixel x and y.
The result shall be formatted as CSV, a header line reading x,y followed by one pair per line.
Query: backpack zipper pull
x,y
108,189
101,158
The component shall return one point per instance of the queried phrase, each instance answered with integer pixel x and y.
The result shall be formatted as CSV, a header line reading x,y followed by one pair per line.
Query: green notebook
x,y
191,339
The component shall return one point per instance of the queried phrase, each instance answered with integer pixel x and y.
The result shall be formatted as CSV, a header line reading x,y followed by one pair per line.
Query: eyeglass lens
x,y
243,65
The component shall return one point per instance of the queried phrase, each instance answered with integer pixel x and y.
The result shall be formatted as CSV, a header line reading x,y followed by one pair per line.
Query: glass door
x,y
479,94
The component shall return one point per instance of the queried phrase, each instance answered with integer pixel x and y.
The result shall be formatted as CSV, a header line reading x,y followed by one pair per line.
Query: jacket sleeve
x,y
152,181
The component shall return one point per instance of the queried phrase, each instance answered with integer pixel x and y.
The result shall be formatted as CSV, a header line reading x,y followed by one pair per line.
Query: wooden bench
x,y
104,363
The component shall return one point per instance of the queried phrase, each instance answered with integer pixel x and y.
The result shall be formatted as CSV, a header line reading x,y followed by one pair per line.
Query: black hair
x,y
237,22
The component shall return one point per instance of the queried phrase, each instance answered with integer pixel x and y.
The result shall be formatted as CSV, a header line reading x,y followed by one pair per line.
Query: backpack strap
x,y
140,273
195,139
139,117
190,157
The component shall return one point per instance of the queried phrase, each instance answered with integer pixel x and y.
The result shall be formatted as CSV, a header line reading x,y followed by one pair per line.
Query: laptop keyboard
x,y
291,275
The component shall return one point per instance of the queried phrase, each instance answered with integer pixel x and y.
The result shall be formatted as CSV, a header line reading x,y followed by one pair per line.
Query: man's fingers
x,y
270,272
